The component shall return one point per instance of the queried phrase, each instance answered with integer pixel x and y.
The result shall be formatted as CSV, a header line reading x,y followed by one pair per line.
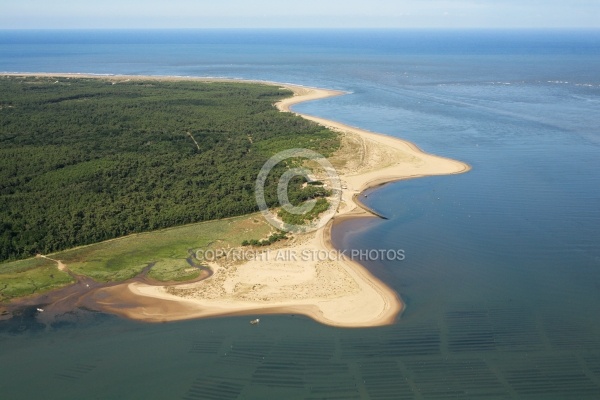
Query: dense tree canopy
x,y
85,160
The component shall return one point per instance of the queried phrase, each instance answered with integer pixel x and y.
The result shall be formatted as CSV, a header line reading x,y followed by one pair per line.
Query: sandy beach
x,y
335,291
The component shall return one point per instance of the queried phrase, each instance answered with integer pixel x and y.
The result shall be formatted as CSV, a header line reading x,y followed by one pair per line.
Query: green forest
x,y
85,160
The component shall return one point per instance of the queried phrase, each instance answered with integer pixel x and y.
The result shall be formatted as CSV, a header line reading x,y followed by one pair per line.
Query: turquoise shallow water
x,y
502,269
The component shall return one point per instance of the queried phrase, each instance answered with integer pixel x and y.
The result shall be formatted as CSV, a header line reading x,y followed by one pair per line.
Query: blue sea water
x,y
502,269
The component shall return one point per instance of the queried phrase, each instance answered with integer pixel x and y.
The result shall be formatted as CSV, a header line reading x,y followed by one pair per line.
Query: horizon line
x,y
315,29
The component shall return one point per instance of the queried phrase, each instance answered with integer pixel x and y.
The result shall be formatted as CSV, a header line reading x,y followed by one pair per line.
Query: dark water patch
x,y
284,374
469,331
309,350
471,327
385,380
249,351
322,373
515,329
398,341
550,377
339,387
75,372
452,379
23,320
592,362
411,341
573,334
206,346
214,388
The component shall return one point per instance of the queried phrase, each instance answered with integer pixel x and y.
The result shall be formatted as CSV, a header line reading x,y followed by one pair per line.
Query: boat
x,y
255,321
40,309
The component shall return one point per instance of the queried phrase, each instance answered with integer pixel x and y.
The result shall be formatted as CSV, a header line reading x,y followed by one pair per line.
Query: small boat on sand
x,y
255,321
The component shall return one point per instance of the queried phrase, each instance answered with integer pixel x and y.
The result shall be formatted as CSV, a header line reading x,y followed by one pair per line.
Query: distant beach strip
x,y
337,292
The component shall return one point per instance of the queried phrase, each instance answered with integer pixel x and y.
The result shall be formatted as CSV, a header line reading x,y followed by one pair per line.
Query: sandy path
x,y
59,264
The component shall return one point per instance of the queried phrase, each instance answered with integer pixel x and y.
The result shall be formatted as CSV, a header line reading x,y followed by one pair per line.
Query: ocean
x,y
501,274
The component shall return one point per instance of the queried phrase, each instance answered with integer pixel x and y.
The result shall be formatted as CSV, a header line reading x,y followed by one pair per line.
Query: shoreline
x,y
384,159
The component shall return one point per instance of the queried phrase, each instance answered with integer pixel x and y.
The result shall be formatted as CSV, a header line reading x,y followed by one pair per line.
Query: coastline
x,y
364,301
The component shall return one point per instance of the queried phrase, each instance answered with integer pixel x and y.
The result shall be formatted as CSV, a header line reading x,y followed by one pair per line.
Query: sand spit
x,y
335,291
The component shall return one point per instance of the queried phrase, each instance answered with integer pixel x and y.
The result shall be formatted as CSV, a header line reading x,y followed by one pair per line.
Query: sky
x,y
149,14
